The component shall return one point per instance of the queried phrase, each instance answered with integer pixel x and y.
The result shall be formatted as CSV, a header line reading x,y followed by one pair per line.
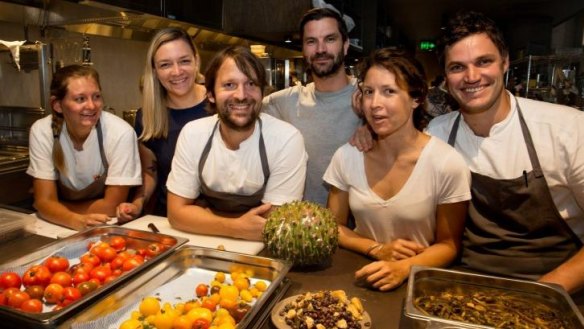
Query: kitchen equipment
x,y
72,248
426,281
13,224
174,280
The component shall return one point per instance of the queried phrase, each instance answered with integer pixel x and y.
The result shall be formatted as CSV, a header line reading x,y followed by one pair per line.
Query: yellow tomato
x,y
200,313
254,291
229,304
220,277
131,324
163,320
149,306
241,283
261,285
246,295
229,292
182,322
226,326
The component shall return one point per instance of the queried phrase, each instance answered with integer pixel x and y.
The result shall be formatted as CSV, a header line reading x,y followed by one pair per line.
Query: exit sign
x,y
427,45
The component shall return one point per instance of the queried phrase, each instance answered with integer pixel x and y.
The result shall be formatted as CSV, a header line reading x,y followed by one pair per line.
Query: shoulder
x,y
558,120
441,125
200,126
42,124
445,157
275,126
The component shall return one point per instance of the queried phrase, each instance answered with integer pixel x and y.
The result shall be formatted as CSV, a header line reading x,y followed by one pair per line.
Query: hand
x,y
126,212
383,275
398,250
362,138
252,223
86,220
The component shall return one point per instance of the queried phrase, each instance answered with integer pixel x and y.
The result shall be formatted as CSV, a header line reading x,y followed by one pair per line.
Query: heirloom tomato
x,y
118,243
91,259
10,280
62,278
71,293
35,292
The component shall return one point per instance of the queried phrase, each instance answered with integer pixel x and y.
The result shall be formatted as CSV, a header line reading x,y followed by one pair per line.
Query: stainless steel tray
x,y
424,281
135,239
162,279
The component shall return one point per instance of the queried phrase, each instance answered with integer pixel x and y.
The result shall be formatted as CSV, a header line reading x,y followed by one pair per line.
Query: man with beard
x,y
526,157
229,169
321,110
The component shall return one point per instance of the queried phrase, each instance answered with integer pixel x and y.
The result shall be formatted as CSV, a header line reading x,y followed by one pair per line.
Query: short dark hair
x,y
246,61
409,75
316,14
466,23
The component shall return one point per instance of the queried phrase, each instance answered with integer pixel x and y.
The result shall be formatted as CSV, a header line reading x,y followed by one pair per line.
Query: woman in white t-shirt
x,y
408,194
83,160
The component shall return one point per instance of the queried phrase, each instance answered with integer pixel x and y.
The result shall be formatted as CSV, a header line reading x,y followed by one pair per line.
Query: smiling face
x,y
237,97
81,106
387,107
475,72
176,67
323,47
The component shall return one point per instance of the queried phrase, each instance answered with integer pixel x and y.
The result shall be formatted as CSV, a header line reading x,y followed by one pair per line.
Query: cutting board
x,y
207,241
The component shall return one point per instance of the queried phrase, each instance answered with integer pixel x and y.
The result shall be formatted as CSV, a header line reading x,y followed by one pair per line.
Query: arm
x,y
127,211
185,215
450,218
569,274
114,195
338,203
47,203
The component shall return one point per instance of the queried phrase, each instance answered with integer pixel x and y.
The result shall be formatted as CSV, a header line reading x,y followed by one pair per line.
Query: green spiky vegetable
x,y
302,232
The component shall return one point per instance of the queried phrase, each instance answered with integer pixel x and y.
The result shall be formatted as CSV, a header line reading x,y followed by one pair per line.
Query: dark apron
x,y
94,190
228,202
514,227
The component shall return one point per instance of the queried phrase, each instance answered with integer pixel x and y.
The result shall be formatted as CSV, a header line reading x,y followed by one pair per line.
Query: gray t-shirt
x,y
326,121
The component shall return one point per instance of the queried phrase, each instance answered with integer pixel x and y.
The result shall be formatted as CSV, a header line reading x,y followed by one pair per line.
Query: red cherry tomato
x,y
62,278
91,259
118,243
10,280
17,298
154,249
37,275
201,324
79,278
35,292
57,264
87,287
202,290
117,262
33,305
9,292
107,254
132,263
100,273
71,293
81,268
54,293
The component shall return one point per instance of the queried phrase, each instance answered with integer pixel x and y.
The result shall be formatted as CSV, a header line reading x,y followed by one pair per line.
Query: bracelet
x,y
373,247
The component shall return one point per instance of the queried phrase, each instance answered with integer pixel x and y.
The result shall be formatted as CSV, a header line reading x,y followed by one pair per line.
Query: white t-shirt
x,y
440,176
240,171
558,135
120,147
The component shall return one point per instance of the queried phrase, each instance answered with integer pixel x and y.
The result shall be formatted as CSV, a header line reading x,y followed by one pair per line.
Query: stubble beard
x,y
336,65
225,116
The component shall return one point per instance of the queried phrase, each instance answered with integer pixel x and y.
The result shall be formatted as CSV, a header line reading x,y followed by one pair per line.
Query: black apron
x,y
514,227
229,202
94,190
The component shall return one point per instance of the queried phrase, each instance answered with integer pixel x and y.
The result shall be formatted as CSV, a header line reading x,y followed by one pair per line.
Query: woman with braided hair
x,y
83,160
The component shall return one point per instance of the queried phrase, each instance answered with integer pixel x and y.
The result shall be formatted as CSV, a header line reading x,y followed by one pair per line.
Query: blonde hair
x,y
59,89
154,109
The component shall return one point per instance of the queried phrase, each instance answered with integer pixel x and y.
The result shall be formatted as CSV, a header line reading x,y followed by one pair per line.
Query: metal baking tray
x,y
427,281
73,247
174,279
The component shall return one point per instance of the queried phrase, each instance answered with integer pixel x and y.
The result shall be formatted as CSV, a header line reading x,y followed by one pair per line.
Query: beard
x,y
228,119
330,69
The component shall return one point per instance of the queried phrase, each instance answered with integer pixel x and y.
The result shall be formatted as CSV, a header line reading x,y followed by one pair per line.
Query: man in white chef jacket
x,y
526,218
229,170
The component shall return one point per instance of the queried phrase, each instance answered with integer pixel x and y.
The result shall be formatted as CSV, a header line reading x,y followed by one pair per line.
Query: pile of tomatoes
x,y
218,305
56,283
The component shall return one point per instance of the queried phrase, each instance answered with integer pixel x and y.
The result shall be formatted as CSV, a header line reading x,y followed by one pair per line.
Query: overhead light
x,y
288,40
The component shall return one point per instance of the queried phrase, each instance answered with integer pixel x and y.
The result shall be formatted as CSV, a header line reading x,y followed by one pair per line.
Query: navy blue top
x,y
163,148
